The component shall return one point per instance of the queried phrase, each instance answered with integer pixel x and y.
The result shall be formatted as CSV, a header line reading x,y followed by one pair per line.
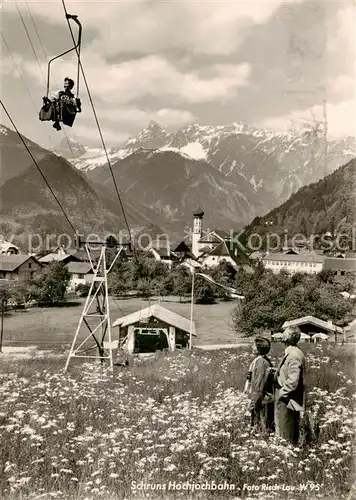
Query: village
x,y
207,252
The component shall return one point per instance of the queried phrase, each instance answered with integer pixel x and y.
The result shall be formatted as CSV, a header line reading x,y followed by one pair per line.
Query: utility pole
x,y
191,311
2,321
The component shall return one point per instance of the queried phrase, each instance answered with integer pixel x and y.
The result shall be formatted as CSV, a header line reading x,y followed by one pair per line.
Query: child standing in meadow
x,y
259,386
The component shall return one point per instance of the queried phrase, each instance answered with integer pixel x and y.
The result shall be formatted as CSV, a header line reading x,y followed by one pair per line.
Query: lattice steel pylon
x,y
97,322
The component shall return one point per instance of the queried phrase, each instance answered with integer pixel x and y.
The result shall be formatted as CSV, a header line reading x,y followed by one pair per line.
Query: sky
x,y
267,63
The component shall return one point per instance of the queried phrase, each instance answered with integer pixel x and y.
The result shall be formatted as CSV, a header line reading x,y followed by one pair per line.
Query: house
x,y
221,252
340,266
228,252
211,240
162,253
14,267
291,251
294,262
82,255
81,273
182,251
7,248
152,329
311,325
59,255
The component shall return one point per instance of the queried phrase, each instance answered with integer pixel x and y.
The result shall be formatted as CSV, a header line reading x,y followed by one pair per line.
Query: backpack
x,y
47,112
268,389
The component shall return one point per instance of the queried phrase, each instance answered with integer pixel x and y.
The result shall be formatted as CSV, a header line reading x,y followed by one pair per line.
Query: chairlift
x,y
65,108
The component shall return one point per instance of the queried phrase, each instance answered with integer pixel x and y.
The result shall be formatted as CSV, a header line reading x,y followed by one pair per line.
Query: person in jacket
x,y
259,387
290,388
64,105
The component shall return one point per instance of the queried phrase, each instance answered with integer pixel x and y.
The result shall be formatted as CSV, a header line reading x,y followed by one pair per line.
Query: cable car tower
x,y
94,325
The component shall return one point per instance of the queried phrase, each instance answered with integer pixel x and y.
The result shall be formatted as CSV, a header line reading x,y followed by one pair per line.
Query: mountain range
x,y
233,172
259,162
27,206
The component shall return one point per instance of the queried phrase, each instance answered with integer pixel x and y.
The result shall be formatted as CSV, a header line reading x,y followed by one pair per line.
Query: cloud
x,y
196,27
340,119
341,85
90,133
178,62
8,67
153,26
134,117
341,35
150,76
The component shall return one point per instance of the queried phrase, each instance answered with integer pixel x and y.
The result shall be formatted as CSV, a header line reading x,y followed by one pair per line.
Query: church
x,y
209,248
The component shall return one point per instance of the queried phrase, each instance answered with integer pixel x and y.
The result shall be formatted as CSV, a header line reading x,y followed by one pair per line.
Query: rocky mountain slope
x,y
173,185
28,207
274,164
326,207
13,157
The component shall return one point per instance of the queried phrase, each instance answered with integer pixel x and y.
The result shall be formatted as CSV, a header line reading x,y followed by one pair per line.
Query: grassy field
x,y
58,324
163,427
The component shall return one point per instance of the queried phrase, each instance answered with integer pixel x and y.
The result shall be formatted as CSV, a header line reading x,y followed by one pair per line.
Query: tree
x,y
182,280
224,271
144,287
159,286
277,298
127,275
244,281
204,292
331,305
18,292
111,241
50,286
120,278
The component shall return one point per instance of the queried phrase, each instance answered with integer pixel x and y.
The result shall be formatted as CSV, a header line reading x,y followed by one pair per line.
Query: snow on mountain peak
x,y
154,133
226,146
195,150
192,151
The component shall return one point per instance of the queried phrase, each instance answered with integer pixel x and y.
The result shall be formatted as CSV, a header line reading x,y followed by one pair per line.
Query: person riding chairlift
x,y
64,105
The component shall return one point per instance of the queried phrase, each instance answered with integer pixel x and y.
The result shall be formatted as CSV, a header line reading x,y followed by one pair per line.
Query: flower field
x,y
169,427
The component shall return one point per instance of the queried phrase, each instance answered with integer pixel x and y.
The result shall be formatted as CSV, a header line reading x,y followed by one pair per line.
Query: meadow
x,y
57,325
166,426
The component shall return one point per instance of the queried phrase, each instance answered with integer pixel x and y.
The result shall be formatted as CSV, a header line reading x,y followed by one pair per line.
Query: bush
x,y
50,286
82,290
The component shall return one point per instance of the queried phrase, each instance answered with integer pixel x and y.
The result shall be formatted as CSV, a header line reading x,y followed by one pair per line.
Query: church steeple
x,y
197,230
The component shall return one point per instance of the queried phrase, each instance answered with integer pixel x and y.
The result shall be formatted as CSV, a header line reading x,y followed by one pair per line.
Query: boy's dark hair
x,y
263,345
70,81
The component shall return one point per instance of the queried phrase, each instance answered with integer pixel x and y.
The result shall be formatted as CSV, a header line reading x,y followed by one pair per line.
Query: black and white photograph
x,y
177,249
